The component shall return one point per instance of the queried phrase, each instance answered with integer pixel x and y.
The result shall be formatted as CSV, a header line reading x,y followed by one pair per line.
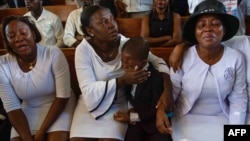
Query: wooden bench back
x,y
129,27
62,11
58,2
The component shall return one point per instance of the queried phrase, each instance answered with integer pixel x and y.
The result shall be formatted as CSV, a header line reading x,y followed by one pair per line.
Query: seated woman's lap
x,y
52,136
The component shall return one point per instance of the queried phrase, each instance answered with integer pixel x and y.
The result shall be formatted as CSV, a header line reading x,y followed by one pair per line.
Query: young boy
x,y
143,97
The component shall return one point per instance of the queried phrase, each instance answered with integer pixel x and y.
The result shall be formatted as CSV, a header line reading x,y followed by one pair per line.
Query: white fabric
x,y
50,27
37,88
243,9
94,76
230,80
242,43
72,27
134,117
138,5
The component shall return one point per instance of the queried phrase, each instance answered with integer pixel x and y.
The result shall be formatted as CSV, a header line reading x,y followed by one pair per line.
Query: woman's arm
x,y
60,70
20,123
176,57
70,30
238,99
55,110
145,32
12,105
176,37
59,32
166,101
164,105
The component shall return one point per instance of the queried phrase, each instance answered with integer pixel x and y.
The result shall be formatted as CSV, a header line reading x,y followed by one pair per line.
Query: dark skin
x,y
209,32
121,9
104,38
80,37
129,64
176,57
161,6
35,7
22,40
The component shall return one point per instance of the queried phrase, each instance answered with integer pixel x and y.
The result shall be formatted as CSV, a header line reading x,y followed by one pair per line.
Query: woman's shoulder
x,y
4,58
123,40
238,42
229,52
84,48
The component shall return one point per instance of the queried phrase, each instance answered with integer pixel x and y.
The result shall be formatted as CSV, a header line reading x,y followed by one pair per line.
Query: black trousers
x,y
137,133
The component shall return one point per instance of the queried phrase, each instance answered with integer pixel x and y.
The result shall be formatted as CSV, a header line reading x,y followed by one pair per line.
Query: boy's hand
x,y
135,76
122,117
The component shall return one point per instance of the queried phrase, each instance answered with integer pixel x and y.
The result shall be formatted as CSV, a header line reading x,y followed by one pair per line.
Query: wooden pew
x,y
130,27
62,11
58,2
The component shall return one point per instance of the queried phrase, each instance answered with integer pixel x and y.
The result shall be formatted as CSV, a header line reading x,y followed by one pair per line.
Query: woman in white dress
x,y
210,89
102,79
34,84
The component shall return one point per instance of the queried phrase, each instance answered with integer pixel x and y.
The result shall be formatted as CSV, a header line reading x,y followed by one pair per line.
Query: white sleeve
x,y
248,7
7,93
70,30
192,4
158,63
238,98
59,32
98,94
60,69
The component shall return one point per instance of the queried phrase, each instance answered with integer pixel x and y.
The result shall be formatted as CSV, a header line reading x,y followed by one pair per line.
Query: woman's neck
x,y
107,50
210,55
161,13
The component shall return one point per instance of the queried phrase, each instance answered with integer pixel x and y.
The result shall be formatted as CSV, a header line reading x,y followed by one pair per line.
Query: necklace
x,y
108,55
31,65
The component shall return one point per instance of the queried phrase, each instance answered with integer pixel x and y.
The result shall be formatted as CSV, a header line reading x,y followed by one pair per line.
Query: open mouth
x,y
23,48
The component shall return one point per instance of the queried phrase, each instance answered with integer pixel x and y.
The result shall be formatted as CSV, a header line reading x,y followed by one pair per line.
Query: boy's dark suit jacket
x,y
146,97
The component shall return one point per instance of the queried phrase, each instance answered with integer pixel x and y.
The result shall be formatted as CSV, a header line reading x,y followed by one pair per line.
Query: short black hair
x,y
24,19
137,47
86,16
